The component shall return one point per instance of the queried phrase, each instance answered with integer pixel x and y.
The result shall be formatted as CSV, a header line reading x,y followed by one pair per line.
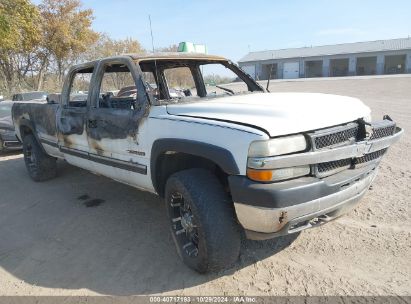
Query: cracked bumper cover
x,y
264,222
275,209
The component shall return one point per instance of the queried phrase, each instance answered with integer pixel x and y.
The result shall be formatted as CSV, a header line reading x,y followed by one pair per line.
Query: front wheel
x,y
40,165
202,219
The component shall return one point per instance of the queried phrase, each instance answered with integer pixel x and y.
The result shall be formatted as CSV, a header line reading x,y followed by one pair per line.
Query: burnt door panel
x,y
71,124
110,132
115,148
114,120
110,124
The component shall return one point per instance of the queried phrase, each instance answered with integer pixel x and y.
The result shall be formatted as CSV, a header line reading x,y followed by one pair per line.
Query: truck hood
x,y
277,113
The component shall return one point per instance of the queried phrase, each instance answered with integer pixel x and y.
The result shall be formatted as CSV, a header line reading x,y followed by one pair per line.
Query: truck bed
x,y
40,117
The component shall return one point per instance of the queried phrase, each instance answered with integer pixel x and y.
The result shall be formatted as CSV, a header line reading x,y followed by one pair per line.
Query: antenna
x,y
152,45
151,32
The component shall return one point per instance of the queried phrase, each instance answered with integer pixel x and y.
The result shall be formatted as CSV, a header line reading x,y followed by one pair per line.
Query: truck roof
x,y
154,56
173,55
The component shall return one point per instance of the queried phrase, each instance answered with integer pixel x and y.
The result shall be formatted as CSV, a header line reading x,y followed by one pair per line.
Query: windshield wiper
x,y
225,89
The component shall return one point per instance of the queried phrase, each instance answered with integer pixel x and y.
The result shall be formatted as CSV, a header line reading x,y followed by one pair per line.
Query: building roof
x,y
335,49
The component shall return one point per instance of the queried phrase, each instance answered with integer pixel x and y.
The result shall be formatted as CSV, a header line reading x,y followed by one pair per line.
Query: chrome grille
x,y
346,135
11,144
370,156
328,168
380,132
335,136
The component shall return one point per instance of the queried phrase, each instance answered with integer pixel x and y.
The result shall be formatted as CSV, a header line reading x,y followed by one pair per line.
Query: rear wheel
x,y
40,166
203,224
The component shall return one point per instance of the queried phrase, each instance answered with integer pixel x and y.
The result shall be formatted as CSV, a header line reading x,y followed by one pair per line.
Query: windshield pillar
x,y
199,81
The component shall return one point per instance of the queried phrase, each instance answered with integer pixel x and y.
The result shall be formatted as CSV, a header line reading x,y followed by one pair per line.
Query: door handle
x,y
92,123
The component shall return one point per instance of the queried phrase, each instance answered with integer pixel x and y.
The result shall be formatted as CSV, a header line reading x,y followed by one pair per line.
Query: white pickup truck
x,y
227,159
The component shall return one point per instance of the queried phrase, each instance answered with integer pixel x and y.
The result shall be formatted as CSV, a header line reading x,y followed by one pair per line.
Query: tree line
x,y
38,43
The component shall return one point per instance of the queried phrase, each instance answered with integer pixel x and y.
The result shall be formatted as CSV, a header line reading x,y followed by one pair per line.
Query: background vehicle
x,y
30,96
8,139
226,159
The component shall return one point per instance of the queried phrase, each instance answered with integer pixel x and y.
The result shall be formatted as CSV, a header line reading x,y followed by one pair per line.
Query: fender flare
x,y
221,156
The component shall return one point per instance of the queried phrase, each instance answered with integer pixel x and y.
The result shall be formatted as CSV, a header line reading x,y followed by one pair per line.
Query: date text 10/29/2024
x,y
205,299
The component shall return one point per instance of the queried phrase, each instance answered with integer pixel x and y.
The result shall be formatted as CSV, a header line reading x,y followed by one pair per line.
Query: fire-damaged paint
x,y
101,135
103,123
71,121
43,115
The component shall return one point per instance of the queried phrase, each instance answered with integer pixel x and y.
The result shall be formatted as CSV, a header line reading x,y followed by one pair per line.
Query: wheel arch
x,y
26,127
170,155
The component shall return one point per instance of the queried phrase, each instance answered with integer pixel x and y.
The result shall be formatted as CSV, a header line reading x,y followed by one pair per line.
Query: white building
x,y
361,58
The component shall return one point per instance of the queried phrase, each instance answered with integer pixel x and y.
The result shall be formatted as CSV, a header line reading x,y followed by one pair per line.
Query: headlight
x,y
277,174
277,146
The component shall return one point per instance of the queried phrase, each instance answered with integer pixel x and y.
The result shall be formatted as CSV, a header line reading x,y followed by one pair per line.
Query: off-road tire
x,y
218,233
41,167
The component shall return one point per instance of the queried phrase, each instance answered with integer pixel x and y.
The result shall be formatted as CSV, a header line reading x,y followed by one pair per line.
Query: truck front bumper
x,y
267,210
270,210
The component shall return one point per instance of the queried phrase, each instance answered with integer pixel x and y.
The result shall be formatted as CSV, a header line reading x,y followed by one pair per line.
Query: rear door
x,y
115,119
72,116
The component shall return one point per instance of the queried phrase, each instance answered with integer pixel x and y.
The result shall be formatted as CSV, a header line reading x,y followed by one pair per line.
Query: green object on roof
x,y
189,47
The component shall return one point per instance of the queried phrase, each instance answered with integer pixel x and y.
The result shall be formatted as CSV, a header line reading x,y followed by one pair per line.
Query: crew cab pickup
x,y
227,158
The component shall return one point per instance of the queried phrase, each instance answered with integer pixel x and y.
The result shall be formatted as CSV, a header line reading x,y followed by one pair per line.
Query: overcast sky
x,y
232,28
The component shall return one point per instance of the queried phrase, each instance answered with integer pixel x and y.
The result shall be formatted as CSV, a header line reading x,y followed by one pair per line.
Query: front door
x,y
114,121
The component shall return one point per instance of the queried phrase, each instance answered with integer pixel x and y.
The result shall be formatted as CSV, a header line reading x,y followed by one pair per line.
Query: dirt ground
x,y
82,234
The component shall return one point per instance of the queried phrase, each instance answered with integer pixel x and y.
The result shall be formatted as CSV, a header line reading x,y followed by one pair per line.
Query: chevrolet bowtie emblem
x,y
368,131
362,149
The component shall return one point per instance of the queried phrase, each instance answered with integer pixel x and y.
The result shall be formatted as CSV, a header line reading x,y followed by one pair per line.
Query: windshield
x,y
220,80
189,80
5,109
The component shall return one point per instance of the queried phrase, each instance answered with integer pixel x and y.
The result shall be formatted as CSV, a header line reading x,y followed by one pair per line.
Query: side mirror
x,y
53,98
187,92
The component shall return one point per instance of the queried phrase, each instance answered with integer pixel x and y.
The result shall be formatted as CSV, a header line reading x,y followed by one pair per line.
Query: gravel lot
x,y
82,234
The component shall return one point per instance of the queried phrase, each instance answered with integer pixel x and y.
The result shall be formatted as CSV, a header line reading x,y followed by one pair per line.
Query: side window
x,y
180,82
79,89
118,89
